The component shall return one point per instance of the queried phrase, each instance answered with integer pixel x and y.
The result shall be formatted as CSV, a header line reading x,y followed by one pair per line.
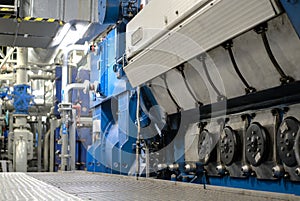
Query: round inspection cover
x,y
286,136
205,146
228,145
256,144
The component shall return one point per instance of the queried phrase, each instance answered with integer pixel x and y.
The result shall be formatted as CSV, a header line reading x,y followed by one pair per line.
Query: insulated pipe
x,y
66,52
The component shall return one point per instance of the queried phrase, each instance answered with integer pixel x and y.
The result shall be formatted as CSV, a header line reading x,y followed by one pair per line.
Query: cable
x,y
170,94
228,47
181,69
262,31
202,59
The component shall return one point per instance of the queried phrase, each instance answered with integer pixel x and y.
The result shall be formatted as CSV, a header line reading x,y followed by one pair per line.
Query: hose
x,y
170,94
228,47
262,29
202,59
188,86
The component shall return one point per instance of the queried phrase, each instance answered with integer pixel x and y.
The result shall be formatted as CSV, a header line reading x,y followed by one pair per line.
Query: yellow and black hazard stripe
x,y
40,19
7,16
7,10
32,19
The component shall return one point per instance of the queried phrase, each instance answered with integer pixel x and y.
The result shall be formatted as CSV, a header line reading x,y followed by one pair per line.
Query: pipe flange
x,y
228,145
286,136
205,146
256,144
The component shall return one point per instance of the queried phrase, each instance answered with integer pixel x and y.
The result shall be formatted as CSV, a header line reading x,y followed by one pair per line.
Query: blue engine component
x,y
58,98
113,101
21,99
292,8
110,11
114,106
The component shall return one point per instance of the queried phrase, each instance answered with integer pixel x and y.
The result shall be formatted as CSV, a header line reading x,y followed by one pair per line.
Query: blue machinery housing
x,y
113,147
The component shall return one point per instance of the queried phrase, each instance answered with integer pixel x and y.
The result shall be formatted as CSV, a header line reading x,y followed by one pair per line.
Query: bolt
x,y
282,135
297,171
258,138
286,175
248,138
293,134
288,155
258,149
249,150
253,132
282,148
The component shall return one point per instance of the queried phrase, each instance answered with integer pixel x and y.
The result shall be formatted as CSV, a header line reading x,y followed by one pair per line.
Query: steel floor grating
x,y
89,186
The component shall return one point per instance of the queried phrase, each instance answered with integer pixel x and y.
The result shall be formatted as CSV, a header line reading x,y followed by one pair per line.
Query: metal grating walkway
x,y
88,186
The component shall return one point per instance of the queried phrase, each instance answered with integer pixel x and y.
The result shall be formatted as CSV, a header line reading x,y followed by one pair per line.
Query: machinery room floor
x,y
90,186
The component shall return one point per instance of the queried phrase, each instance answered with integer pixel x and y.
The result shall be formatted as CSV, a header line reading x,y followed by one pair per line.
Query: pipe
x,y
41,77
72,141
138,133
53,125
69,87
66,52
11,51
46,150
21,134
5,77
39,154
